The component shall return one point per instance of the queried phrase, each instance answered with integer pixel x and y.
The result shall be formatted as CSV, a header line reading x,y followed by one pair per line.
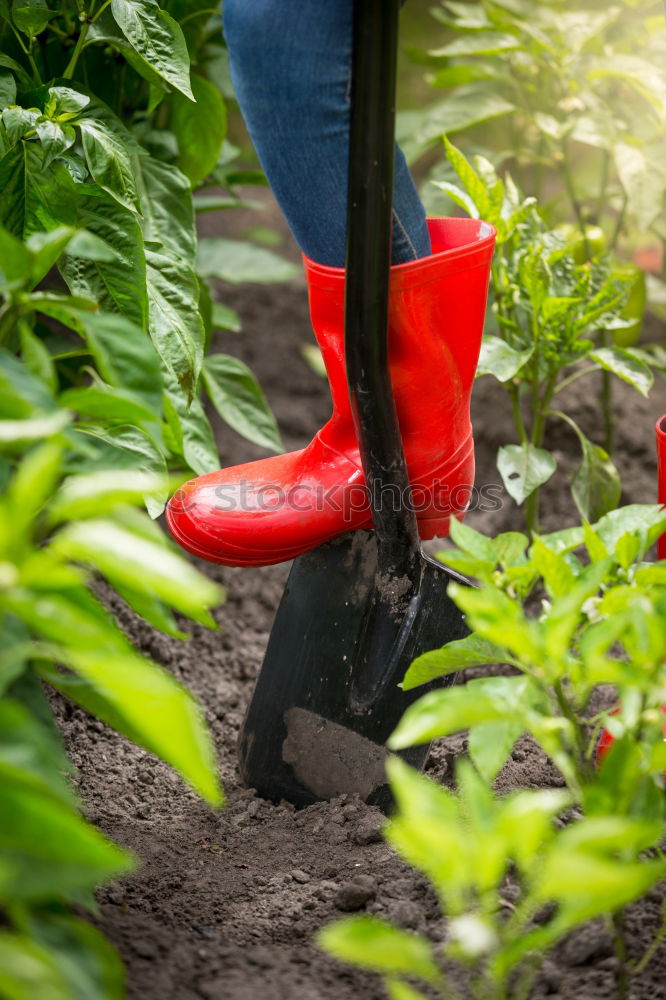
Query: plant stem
x,y
573,198
71,66
101,11
601,201
514,396
619,224
540,405
620,945
572,378
607,401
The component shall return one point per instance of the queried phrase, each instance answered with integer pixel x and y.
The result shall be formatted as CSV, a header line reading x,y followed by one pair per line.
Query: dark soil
x,y
226,904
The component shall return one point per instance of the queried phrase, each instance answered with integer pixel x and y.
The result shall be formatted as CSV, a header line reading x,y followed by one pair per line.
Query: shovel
x,y
356,611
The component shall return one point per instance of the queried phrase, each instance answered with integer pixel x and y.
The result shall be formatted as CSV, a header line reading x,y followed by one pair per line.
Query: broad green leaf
x,y
53,852
471,182
64,103
34,429
553,567
455,709
500,360
472,651
200,129
33,483
625,365
152,708
98,493
595,486
469,105
647,521
7,88
108,403
105,30
191,430
481,43
16,261
139,563
125,448
34,199
46,248
87,962
109,162
225,318
55,139
118,285
524,468
473,542
8,63
166,204
459,197
70,615
375,944
238,399
28,971
643,178
31,16
237,261
490,745
175,323
157,38
21,392
27,752
398,990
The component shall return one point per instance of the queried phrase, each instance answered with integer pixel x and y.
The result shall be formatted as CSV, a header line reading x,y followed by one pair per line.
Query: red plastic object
x,y
277,508
606,740
661,473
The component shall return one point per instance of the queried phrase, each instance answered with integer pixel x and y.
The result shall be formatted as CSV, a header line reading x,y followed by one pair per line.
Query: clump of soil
x,y
226,904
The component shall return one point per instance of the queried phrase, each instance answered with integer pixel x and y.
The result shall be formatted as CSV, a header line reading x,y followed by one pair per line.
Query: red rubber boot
x,y
277,508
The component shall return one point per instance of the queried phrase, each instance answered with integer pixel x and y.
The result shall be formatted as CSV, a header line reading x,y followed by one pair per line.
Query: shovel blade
x,y
301,740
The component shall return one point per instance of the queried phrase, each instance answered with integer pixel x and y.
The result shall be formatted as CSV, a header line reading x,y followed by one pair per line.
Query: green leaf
x,y
237,262
480,43
141,564
473,542
157,38
16,261
471,182
7,88
490,745
625,365
150,707
96,494
646,521
238,399
643,177
375,944
176,326
31,16
470,105
118,285
86,960
34,199
225,318
398,990
109,162
200,129
166,203
596,486
47,248
500,360
52,853
28,971
108,403
472,651
193,436
125,448
27,752
21,431
452,710
524,468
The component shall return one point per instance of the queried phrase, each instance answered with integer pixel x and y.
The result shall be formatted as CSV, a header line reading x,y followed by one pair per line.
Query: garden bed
x,y
225,905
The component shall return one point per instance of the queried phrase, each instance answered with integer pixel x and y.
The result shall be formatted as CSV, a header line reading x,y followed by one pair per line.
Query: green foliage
x,y
574,853
582,95
551,317
108,122
56,530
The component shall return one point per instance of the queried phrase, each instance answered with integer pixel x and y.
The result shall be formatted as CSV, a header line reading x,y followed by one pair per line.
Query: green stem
x,y
603,186
607,401
565,708
540,405
620,945
80,42
648,954
195,13
617,232
514,396
573,197
100,11
579,373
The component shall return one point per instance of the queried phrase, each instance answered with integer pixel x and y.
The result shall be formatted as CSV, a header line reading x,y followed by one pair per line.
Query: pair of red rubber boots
x,y
277,508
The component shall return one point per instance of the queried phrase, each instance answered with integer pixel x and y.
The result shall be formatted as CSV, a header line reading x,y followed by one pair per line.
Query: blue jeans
x,y
291,71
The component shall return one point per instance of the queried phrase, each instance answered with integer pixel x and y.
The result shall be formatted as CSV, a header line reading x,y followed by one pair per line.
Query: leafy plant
x,y
601,621
552,319
57,532
581,93
104,129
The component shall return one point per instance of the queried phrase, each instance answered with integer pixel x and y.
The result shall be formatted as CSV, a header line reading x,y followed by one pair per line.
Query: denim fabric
x,y
291,70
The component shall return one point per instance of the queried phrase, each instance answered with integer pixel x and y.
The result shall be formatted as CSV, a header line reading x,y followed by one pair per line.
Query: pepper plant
x,y
582,851
552,319
59,531
112,114
579,95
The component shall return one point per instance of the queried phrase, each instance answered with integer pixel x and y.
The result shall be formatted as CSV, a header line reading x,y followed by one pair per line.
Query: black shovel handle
x,y
369,215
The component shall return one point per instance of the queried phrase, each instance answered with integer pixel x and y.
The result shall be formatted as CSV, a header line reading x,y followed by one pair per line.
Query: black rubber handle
x,y
371,167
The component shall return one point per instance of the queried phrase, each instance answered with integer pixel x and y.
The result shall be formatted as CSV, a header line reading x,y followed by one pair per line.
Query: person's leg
x,y
291,70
